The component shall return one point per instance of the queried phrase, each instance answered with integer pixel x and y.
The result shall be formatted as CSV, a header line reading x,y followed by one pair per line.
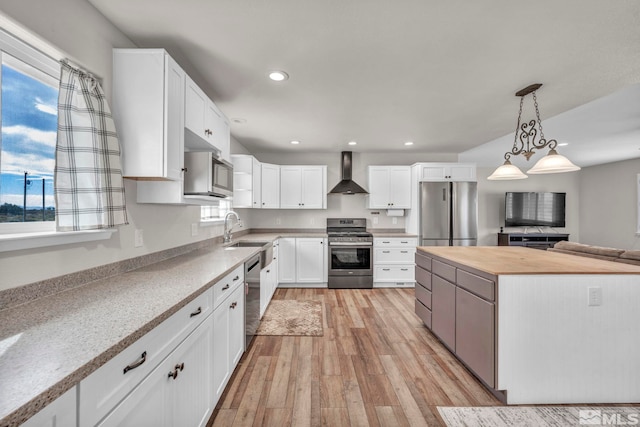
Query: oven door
x,y
350,260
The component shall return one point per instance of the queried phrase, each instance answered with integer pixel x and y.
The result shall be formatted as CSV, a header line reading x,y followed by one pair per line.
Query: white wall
x,y
338,205
84,35
609,204
491,202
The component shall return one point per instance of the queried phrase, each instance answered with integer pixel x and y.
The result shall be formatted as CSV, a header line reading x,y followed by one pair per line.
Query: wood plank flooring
x,y
376,365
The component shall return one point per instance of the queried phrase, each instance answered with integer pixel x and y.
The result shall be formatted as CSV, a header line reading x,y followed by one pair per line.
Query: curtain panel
x,y
88,184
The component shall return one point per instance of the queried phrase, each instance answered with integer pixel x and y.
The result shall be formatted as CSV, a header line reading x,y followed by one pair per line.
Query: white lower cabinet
x,y
302,260
394,261
269,280
177,392
60,412
228,336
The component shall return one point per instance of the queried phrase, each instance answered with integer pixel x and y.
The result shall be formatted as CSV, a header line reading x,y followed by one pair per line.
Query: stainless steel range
x,y
350,254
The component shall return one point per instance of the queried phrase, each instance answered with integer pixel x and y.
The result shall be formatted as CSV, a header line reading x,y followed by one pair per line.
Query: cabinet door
x,y
60,412
310,260
475,337
287,260
379,187
192,390
435,172
264,291
314,192
400,187
236,326
290,187
217,129
174,105
256,172
462,172
443,308
195,106
221,372
270,186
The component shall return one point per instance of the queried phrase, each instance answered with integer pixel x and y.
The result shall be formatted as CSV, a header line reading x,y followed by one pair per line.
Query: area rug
x,y
538,416
292,317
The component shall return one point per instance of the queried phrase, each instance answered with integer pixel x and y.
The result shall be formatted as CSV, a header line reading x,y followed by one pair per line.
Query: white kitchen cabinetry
x,y
60,412
269,280
389,187
303,187
247,181
447,172
393,261
303,260
228,336
177,392
207,129
148,110
270,188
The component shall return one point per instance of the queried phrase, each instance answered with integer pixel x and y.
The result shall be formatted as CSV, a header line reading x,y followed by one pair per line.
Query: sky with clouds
x,y
29,122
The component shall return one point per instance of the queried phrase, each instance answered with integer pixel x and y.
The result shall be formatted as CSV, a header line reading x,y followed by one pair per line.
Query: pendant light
x,y
525,142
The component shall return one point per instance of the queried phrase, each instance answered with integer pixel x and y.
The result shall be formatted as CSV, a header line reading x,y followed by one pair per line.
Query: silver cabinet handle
x,y
404,269
386,269
143,358
386,252
404,252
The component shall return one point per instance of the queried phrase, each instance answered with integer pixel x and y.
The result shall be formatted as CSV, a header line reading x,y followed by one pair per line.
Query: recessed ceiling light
x,y
278,76
408,143
563,144
295,142
239,120
352,143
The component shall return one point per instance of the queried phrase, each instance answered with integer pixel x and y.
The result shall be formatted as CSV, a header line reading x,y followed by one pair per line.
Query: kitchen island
x,y
535,327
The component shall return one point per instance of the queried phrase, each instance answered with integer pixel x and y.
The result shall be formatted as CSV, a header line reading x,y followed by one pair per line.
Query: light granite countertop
x,y
50,344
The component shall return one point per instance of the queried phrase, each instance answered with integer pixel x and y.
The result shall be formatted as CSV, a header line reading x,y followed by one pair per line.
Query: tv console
x,y
531,240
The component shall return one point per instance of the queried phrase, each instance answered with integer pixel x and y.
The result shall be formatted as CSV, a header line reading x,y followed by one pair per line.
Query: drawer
x,y
443,270
423,260
480,286
394,273
423,313
423,277
394,255
395,241
423,295
223,288
102,390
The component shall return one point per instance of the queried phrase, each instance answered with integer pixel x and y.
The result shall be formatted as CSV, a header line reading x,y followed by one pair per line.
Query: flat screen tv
x,y
534,209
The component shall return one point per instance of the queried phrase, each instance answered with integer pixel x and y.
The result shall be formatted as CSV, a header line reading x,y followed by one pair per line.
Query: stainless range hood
x,y
347,185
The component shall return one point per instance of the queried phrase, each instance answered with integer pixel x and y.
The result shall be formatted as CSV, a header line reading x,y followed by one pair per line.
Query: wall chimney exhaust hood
x,y
347,185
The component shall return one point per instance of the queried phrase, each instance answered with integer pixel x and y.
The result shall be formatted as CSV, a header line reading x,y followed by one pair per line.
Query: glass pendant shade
x,y
506,171
553,163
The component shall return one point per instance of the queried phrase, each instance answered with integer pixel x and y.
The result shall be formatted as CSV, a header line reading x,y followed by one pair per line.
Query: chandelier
x,y
526,141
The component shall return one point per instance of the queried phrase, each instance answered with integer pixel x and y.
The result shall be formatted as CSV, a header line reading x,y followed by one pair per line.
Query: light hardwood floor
x,y
376,365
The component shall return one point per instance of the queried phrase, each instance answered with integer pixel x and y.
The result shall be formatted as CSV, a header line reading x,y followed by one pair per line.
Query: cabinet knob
x,y
185,170
178,368
233,305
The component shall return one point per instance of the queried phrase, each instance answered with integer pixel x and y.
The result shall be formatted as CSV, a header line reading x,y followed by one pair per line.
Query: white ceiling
x,y
439,73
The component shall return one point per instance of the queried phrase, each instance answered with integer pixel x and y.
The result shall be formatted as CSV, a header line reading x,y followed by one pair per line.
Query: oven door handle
x,y
350,244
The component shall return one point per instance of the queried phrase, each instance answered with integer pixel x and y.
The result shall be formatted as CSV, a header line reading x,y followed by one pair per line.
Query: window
x,y
28,119
215,213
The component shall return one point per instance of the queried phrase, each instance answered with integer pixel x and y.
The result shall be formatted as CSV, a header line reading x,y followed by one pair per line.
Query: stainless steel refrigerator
x,y
448,214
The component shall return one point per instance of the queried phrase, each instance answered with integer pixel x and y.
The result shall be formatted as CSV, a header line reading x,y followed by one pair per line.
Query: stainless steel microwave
x,y
206,174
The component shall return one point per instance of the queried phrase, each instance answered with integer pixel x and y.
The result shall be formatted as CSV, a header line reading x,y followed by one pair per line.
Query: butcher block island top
x,y
502,260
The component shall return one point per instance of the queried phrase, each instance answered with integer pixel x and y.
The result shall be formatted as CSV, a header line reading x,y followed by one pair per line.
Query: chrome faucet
x,y
227,230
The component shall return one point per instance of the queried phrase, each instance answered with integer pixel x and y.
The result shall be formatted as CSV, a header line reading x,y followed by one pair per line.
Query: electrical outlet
x,y
394,220
595,296
138,238
312,221
194,229
374,220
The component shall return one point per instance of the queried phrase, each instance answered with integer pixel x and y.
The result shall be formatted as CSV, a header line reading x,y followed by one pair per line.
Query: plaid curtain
x,y
88,184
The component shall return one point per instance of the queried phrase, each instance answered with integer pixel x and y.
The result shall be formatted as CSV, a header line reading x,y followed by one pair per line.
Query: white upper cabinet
x,y
303,187
270,186
447,172
148,110
389,187
207,129
247,181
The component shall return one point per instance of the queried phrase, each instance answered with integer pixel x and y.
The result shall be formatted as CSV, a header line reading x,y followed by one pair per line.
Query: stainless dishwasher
x,y
252,298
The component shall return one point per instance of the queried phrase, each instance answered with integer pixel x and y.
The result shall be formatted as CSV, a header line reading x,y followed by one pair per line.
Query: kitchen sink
x,y
266,255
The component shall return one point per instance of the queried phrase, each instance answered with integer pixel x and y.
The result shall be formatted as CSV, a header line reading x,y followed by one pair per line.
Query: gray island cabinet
x,y
521,320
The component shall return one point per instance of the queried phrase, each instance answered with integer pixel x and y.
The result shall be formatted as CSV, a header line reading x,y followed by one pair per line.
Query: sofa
x,y
599,252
